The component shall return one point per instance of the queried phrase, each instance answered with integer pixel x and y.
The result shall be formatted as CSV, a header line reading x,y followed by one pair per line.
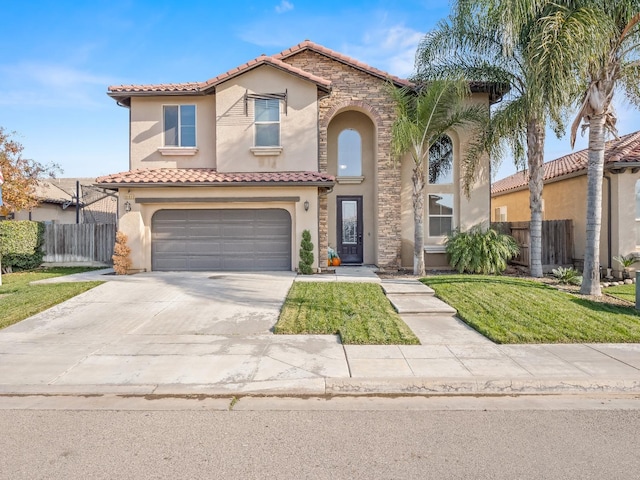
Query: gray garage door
x,y
244,240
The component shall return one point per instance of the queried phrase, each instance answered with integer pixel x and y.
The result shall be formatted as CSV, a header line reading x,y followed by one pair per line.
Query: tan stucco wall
x,y
468,212
137,223
367,189
298,123
147,134
566,199
47,212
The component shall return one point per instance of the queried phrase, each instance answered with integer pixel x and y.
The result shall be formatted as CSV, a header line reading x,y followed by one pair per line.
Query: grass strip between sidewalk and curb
x,y
511,310
623,292
19,299
359,312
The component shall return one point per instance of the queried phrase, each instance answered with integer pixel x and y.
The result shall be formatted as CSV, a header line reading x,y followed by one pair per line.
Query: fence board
x,y
557,241
84,242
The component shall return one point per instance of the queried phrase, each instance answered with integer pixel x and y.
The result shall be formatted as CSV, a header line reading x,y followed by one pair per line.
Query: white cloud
x,y
43,84
390,48
284,6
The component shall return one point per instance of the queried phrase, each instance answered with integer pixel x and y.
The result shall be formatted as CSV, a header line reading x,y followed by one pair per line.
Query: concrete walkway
x,y
209,333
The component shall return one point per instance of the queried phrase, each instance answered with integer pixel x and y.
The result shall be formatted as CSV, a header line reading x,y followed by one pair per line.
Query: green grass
x,y
623,292
359,312
510,310
19,300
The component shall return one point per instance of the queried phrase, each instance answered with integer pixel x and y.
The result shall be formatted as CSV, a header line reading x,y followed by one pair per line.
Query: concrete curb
x,y
345,387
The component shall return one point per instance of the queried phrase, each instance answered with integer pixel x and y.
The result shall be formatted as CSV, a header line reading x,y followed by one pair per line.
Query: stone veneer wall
x,y
353,89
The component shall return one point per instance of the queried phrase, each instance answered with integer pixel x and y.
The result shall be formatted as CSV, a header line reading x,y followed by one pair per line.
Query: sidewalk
x,y
152,351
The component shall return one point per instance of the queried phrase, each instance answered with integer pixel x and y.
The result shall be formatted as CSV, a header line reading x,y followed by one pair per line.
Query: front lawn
x,y
511,310
623,292
359,312
20,300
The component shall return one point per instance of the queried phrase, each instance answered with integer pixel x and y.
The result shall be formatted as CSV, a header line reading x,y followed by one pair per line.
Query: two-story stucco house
x,y
226,174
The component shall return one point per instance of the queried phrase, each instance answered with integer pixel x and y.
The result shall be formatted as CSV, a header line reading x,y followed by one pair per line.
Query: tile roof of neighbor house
x,y
210,176
120,92
626,149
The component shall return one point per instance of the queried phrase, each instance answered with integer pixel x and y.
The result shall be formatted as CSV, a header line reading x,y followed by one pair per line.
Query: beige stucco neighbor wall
x,y
137,223
298,123
623,207
147,133
566,199
46,212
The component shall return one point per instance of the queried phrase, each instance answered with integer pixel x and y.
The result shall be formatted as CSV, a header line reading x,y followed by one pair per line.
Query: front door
x,y
349,231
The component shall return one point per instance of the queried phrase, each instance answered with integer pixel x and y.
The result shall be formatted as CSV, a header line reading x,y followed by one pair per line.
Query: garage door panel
x,y
242,239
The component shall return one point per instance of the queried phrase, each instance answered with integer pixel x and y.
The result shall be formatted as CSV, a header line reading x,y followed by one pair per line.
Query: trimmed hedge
x,y
21,244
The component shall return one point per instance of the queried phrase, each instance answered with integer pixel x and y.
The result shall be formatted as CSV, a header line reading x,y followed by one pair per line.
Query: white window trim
x,y
178,149
260,150
350,180
428,213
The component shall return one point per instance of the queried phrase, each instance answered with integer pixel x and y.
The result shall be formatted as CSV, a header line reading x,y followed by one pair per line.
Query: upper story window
x,y
441,161
267,121
349,153
179,125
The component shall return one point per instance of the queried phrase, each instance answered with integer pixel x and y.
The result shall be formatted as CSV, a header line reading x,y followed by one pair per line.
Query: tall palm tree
x,y
480,42
606,61
423,115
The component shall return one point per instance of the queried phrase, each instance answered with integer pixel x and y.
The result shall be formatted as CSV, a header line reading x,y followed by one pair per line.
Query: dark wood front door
x,y
349,229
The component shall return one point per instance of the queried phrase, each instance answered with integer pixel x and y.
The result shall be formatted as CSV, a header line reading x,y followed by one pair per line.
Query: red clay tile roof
x,y
206,176
624,150
200,88
309,45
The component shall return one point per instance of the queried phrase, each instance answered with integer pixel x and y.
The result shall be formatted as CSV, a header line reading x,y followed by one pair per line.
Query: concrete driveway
x,y
167,329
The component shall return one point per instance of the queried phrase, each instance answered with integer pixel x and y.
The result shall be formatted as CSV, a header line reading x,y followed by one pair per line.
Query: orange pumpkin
x,y
336,262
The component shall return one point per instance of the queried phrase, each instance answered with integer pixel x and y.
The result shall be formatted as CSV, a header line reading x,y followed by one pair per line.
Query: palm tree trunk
x,y
418,219
595,170
535,157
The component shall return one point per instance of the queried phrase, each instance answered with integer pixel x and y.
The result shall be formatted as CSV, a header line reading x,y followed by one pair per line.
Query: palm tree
x,y
477,42
423,115
605,61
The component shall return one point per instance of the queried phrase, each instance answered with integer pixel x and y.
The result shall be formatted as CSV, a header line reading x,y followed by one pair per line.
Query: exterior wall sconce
x,y
127,206
306,205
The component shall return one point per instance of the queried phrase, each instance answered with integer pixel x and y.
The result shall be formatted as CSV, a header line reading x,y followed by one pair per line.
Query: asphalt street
x,y
252,438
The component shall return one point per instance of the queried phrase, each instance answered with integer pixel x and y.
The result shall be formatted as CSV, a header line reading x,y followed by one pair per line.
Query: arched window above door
x,y
441,161
349,153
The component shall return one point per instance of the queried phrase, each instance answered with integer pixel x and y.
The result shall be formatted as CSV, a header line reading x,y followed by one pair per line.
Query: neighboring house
x,y
226,174
57,197
565,197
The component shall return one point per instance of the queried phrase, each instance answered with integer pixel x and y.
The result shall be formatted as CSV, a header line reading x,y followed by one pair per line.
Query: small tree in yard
x,y
306,254
121,260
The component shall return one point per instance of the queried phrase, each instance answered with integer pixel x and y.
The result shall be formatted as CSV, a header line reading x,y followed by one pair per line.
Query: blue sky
x,y
59,57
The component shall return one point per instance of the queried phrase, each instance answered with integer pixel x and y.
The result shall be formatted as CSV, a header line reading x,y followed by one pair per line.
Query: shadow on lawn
x,y
606,307
483,279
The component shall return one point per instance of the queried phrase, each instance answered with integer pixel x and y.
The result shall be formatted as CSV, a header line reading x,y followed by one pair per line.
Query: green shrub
x,y
21,244
306,254
480,251
567,276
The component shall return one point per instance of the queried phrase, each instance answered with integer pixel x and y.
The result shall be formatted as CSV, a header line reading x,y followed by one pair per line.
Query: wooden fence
x,y
557,242
79,243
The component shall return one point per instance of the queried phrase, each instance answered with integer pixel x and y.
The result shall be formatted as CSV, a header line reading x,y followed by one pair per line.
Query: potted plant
x,y
626,262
